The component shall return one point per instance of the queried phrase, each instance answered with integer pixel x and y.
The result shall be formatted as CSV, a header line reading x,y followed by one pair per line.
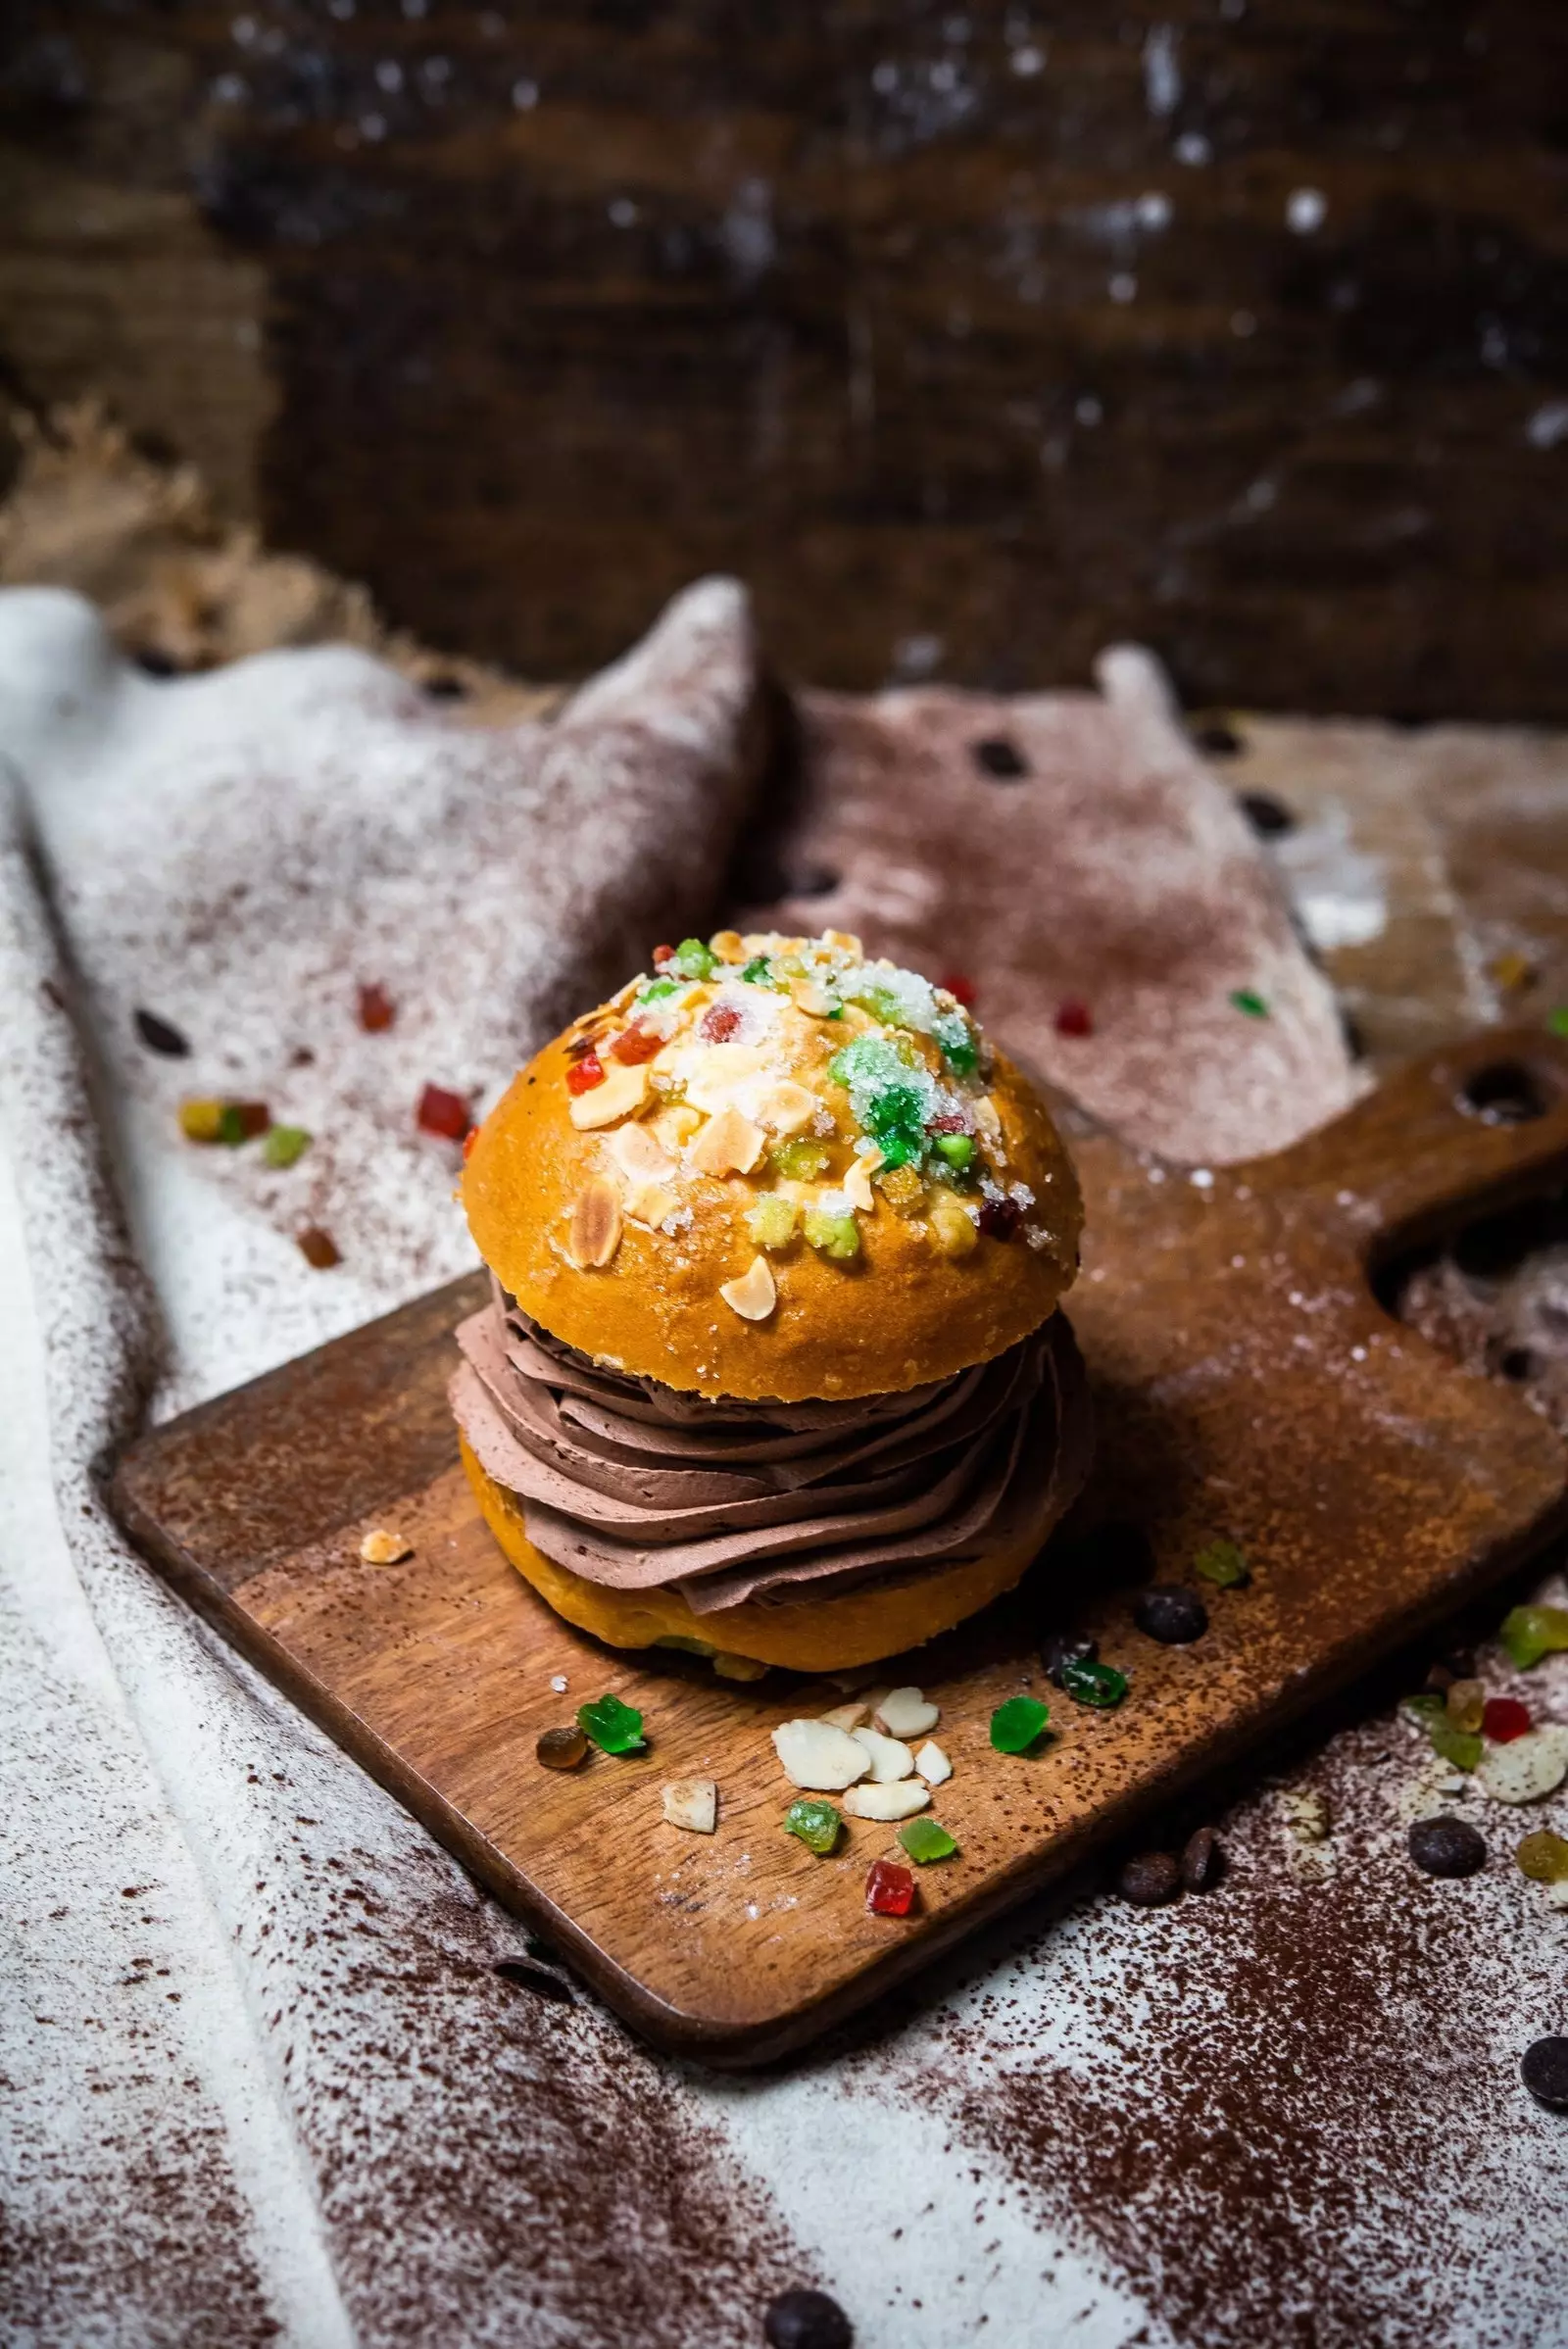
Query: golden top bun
x,y
776,1170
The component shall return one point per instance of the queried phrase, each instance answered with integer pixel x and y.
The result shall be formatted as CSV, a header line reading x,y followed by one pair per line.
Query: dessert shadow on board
x,y
1250,1388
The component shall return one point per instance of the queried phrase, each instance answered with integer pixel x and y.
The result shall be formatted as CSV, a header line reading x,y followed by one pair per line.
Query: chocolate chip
x,y
807,2320
161,1035
1544,2068
1149,1879
1002,760
1059,1650
1202,1861
1169,1614
1446,1846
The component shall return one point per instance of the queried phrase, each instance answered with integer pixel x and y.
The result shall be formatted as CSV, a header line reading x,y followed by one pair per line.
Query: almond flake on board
x,y
906,1713
815,1755
891,1758
692,1803
596,1225
933,1764
900,1800
383,1548
851,1716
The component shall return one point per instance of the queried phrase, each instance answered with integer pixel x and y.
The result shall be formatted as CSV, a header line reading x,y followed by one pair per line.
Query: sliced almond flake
x,y
755,1294
899,1801
651,1205
891,1758
985,1117
713,1071
729,1143
846,942
692,1803
808,996
676,1125
639,1154
729,946
785,1107
596,1224
906,1713
857,1184
1526,1767
933,1765
383,1548
623,1089
815,1755
848,1716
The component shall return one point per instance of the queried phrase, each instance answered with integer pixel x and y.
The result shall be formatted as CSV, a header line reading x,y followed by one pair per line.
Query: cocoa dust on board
x,y
1287,2111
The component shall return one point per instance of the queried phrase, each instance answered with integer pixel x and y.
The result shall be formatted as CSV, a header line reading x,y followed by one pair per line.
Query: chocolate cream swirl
x,y
639,1486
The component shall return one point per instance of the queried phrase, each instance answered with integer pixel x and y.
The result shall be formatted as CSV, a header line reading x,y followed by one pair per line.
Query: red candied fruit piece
x,y
584,1074
718,1023
1074,1018
377,1010
889,1889
1505,1719
661,956
444,1113
963,990
635,1044
1000,1217
950,1122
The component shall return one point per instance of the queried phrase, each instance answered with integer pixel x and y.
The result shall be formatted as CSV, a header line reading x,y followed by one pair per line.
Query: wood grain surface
x,y
1247,1384
972,338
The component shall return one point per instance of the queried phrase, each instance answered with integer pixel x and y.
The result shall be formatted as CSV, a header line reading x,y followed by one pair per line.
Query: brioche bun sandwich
x,y
772,1368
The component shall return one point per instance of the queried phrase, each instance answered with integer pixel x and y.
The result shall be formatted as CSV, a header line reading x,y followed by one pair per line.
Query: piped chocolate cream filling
x,y
640,1487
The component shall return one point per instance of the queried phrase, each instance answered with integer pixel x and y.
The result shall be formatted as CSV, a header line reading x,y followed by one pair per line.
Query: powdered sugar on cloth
x,y
260,2077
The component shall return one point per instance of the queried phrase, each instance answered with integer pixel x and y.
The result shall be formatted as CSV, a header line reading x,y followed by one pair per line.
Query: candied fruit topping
x,y
1000,1218
1466,1706
1248,999
772,1221
285,1145
692,959
926,1841
800,1160
903,1190
1074,1018
443,1113
962,991
613,1727
632,1045
243,1121
584,1074
718,1023
1018,1724
561,1748
1503,1719
201,1121
817,1825
889,1889
1462,1747
956,1148
1543,1857
1224,1564
377,1010
1088,1682
1529,1632
836,1237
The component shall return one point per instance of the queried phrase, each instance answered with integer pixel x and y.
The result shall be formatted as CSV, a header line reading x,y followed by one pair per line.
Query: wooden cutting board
x,y
1246,1382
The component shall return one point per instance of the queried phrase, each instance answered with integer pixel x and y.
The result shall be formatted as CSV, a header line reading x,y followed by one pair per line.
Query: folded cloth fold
x,y
634,1485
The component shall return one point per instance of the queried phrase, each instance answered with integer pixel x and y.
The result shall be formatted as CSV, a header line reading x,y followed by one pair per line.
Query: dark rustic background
x,y
972,336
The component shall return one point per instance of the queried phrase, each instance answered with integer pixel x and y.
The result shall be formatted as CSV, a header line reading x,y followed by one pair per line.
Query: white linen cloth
x,y
257,2076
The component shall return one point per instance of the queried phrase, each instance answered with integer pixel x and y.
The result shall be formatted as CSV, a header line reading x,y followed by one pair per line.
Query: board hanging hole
x,y
1505,1093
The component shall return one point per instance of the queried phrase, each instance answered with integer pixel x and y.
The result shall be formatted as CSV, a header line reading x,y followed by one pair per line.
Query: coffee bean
x,y
1169,1614
1268,816
1202,1861
1446,1846
1059,1650
1150,1880
1002,760
806,2320
1544,2068
161,1036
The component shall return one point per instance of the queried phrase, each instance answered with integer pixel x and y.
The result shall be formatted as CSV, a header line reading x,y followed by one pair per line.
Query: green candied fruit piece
x,y
1557,1020
771,1222
837,1236
801,1160
1248,999
613,1727
1430,1714
897,1109
657,990
758,973
926,1841
1090,1683
285,1145
693,960
1543,1857
956,1148
1018,1724
1529,1632
818,1824
955,1036
1224,1564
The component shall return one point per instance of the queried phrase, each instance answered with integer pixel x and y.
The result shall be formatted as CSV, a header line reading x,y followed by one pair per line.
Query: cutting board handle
x,y
1474,1125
